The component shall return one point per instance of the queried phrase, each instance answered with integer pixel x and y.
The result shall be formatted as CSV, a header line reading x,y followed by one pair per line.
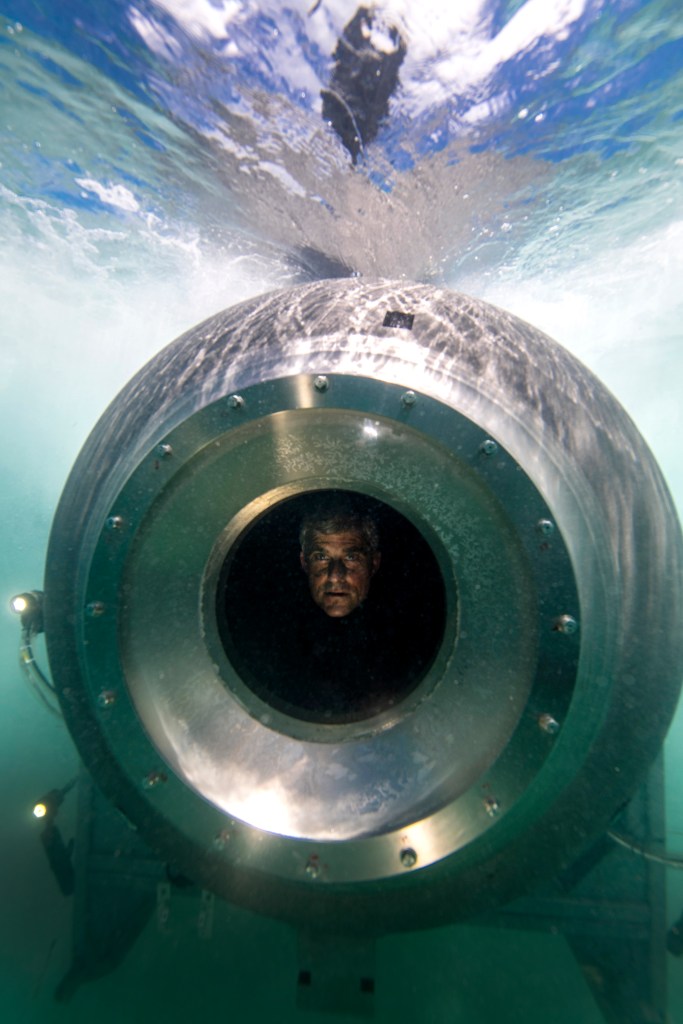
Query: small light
x,y
29,606
49,804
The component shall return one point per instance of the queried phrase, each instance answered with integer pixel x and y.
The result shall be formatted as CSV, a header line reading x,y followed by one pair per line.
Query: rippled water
x,y
161,160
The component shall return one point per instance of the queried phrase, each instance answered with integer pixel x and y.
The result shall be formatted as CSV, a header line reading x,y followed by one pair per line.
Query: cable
x,y
27,658
37,679
644,851
29,607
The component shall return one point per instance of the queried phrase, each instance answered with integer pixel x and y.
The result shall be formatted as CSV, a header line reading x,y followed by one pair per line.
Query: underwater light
x,y
29,606
514,630
48,805
58,853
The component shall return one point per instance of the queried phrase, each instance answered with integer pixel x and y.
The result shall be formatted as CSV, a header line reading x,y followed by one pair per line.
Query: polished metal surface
x,y
561,561
324,781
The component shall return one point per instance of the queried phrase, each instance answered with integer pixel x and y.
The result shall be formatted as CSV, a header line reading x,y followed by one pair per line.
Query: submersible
x,y
539,527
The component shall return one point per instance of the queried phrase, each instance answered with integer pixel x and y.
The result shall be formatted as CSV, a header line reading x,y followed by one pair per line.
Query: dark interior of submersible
x,y
297,659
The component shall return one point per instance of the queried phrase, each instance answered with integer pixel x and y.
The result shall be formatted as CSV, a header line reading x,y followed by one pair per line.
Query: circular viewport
x,y
331,606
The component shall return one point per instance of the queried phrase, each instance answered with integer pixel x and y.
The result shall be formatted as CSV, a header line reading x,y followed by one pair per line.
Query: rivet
x,y
221,839
549,724
491,806
95,609
313,868
114,522
546,527
154,779
235,401
321,383
107,698
566,624
409,398
408,857
164,451
489,446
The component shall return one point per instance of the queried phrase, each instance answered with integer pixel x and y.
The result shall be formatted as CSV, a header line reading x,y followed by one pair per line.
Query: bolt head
x,y
549,724
154,779
566,624
313,868
221,839
321,383
491,806
489,446
408,857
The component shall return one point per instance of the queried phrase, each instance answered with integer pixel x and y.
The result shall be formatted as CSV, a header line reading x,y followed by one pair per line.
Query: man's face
x,y
339,569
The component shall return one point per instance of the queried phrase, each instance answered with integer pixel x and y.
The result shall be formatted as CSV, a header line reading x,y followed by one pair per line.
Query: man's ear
x,y
376,559
302,559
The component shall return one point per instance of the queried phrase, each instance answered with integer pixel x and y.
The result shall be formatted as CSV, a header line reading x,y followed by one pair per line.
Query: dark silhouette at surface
x,y
367,61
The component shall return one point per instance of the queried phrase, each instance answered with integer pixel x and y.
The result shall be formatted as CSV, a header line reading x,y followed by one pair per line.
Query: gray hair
x,y
339,517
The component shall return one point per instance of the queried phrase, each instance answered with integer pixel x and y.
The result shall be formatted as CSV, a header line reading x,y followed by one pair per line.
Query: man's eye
x,y
318,556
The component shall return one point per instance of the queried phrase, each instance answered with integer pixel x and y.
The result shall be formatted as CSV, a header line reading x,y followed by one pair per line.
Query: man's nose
x,y
336,570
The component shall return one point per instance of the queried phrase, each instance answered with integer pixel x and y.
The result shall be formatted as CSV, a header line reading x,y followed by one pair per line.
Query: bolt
x,y
489,446
549,724
313,867
546,527
95,609
236,402
107,698
154,779
566,624
492,806
164,451
409,398
222,839
321,383
408,857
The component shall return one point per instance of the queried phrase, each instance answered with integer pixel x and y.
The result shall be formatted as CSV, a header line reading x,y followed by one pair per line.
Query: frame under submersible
x,y
553,560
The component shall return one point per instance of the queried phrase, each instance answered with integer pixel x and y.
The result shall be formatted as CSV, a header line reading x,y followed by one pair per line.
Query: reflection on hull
x,y
560,556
